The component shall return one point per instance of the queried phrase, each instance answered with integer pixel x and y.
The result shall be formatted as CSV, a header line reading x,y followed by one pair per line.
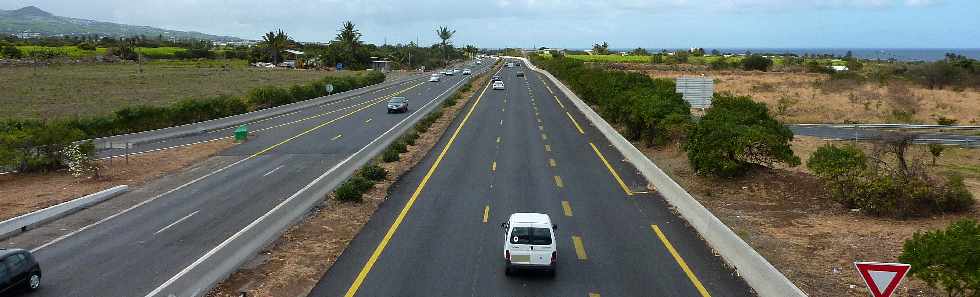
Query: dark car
x,y
495,78
520,74
398,104
18,270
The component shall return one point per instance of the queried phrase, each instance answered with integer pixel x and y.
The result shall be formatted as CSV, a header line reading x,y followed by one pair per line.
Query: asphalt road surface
x,y
128,250
525,149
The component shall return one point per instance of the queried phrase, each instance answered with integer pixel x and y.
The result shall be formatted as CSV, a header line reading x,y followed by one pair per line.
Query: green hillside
x,y
35,20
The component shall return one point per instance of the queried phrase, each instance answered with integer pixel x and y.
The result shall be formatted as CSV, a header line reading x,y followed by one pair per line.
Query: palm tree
x,y
445,34
276,42
350,41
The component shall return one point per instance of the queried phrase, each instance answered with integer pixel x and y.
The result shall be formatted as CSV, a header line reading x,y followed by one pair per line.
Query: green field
x,y
703,60
60,91
74,52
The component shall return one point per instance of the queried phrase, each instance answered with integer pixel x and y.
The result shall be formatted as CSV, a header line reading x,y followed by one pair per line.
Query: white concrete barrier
x,y
22,223
752,267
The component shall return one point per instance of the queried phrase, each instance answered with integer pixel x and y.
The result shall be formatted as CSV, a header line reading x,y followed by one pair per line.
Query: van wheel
x,y
34,281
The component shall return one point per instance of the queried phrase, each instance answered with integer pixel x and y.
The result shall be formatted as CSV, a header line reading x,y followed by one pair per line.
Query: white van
x,y
529,242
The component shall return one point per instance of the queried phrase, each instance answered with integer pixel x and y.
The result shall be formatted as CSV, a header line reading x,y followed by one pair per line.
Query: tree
x,y
639,52
275,42
12,52
756,62
936,150
937,75
600,49
735,133
445,34
349,41
947,258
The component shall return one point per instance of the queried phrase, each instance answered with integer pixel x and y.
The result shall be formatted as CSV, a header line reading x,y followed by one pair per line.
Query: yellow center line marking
x,y
680,261
503,109
594,295
337,137
552,163
558,182
493,166
368,120
566,208
356,285
486,214
580,131
559,102
498,139
544,136
611,170
579,248
547,147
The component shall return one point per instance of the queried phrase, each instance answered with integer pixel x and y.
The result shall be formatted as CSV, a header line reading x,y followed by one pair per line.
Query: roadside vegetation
x,y
739,160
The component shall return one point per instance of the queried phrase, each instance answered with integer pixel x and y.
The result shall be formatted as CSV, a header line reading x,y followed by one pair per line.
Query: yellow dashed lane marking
x,y
493,166
579,248
498,139
566,208
544,136
558,182
611,170
680,262
547,147
594,295
368,120
337,137
486,214
552,163
559,102
580,131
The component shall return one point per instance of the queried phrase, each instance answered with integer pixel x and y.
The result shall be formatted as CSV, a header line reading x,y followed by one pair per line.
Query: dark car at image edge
x,y
18,271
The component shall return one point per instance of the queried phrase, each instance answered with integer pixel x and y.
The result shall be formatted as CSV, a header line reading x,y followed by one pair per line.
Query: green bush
x,y
270,96
374,172
399,146
756,62
948,258
303,92
353,189
390,155
11,52
410,138
735,133
841,169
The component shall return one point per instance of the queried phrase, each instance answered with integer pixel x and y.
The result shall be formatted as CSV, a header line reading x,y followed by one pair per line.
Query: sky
x,y
564,23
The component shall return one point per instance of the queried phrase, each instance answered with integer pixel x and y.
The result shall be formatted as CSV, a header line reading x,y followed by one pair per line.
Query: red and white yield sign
x,y
882,278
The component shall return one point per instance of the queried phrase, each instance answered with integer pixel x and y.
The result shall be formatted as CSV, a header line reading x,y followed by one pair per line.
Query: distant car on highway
x,y
467,71
449,72
510,64
495,78
479,62
18,270
520,74
398,104
529,243
498,85
434,77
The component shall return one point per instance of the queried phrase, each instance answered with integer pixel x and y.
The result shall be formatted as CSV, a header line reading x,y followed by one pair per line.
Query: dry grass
x,y
306,251
812,98
69,90
788,217
23,193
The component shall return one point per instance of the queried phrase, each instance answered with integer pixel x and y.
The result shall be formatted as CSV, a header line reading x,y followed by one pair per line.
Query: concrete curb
x,y
229,121
22,223
752,267
223,260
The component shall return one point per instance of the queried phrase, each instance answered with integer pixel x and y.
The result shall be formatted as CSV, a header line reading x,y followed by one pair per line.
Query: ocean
x,y
900,54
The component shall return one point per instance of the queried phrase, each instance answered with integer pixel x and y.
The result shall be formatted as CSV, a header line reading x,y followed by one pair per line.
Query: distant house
x,y
293,59
27,35
380,65
838,68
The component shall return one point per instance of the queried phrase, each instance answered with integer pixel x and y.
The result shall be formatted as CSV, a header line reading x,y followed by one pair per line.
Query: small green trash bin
x,y
241,134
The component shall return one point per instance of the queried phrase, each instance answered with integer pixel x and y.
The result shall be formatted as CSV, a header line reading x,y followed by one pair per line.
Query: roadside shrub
x,y
410,138
270,96
353,189
303,92
374,172
390,155
841,169
399,146
12,52
949,258
735,133
756,62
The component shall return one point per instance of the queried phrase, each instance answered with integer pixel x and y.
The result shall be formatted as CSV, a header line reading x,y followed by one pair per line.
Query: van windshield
x,y
529,235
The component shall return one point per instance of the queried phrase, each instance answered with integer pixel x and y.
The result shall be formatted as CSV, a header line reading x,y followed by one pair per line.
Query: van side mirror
x,y
504,225
554,227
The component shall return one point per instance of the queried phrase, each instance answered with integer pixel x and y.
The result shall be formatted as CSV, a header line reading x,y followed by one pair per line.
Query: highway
x,y
525,149
132,244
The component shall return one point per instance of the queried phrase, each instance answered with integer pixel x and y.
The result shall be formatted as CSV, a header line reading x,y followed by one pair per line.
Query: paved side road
x,y
120,249
525,149
863,134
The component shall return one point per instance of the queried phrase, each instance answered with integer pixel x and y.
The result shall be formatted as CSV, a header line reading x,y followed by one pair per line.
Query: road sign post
x,y
882,278
329,88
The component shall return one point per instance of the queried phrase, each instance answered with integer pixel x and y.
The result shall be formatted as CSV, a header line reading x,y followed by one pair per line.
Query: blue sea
x,y
900,54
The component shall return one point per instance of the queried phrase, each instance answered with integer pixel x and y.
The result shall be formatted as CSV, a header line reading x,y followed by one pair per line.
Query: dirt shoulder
x,y
24,193
788,217
297,261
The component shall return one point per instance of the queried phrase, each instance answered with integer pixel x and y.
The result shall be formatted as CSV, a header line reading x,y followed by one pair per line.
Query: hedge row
x,y
649,109
32,145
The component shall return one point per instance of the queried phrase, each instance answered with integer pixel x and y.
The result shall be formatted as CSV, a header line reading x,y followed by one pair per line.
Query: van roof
x,y
530,218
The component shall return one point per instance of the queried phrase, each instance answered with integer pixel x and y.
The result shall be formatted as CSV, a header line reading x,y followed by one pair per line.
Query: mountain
x,y
34,20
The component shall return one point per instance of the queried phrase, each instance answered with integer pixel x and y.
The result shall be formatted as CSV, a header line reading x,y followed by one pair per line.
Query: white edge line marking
x,y
273,170
176,222
284,202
